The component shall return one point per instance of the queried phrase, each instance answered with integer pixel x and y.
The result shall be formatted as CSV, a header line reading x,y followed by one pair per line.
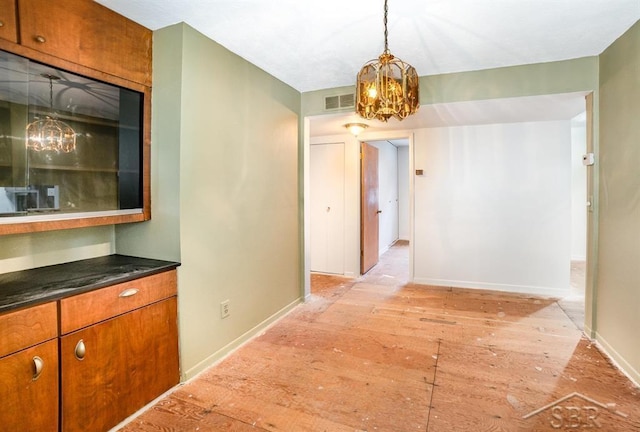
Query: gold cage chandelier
x,y
387,87
49,133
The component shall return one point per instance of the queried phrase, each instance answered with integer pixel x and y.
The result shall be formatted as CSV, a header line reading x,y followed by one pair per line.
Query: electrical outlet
x,y
224,309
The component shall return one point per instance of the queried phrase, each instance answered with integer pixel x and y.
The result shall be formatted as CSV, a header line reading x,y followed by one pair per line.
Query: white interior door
x,y
327,207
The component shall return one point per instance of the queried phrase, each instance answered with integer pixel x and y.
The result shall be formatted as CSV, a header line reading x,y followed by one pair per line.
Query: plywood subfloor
x,y
378,354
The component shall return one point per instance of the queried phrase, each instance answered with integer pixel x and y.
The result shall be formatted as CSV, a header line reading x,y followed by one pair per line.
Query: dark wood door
x,y
369,208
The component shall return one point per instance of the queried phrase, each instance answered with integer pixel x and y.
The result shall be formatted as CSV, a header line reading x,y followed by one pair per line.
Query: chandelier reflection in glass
x,y
49,133
387,87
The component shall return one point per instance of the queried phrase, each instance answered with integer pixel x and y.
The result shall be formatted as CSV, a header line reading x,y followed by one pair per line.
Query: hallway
x,y
378,354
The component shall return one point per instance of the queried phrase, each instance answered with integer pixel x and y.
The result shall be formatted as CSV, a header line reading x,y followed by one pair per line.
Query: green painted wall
x,y
618,279
25,251
160,237
528,80
226,192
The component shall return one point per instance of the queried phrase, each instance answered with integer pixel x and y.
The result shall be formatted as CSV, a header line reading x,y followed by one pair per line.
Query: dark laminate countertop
x,y
43,284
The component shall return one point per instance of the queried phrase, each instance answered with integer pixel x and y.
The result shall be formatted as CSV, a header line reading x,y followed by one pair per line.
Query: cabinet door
x,y
89,34
8,28
112,369
30,398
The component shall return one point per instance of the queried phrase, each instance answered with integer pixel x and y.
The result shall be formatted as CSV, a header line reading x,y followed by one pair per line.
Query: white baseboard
x,y
520,289
223,352
617,359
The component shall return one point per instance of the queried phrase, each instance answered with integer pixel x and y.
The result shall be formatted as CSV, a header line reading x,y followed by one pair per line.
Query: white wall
x,y
493,208
404,176
387,194
578,189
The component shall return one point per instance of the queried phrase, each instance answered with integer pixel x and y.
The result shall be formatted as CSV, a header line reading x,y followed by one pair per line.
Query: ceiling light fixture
x,y
356,128
50,134
387,87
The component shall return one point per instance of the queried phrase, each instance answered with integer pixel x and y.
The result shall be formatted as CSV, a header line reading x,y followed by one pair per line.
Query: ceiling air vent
x,y
339,101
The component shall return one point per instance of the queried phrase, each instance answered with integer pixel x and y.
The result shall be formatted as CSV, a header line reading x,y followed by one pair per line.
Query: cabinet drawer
x,y
27,327
85,309
8,27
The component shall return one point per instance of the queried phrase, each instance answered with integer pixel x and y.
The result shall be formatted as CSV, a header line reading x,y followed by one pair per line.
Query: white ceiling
x,y
320,44
314,45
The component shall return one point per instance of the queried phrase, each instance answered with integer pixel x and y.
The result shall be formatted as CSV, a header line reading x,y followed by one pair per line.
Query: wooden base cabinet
x,y
29,369
118,351
112,369
80,351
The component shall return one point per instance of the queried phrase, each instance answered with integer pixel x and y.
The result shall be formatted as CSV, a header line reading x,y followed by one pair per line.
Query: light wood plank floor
x,y
378,354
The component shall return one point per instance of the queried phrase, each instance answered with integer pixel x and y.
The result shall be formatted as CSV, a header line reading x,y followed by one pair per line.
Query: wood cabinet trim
x,y
70,66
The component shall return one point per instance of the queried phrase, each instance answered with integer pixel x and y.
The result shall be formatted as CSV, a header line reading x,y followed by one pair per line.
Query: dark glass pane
x,y
43,111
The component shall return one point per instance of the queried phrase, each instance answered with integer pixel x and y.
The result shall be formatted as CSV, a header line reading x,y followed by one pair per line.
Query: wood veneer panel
x,y
27,327
89,308
87,33
28,404
8,27
129,361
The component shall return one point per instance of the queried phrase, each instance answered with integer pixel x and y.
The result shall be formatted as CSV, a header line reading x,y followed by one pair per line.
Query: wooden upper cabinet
x,y
8,26
87,33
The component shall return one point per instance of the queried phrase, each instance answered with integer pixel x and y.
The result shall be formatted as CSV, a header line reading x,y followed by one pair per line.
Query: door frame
x,y
592,193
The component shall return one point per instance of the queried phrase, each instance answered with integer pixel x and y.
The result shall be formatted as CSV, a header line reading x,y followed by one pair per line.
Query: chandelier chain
x,y
386,32
51,93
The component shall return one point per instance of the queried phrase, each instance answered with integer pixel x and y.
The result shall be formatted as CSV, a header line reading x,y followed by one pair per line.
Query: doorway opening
x,y
390,211
574,302
392,267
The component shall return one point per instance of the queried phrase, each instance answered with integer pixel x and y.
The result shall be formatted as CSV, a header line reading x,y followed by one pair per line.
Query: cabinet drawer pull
x,y
129,292
1,23
40,39
38,365
81,350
